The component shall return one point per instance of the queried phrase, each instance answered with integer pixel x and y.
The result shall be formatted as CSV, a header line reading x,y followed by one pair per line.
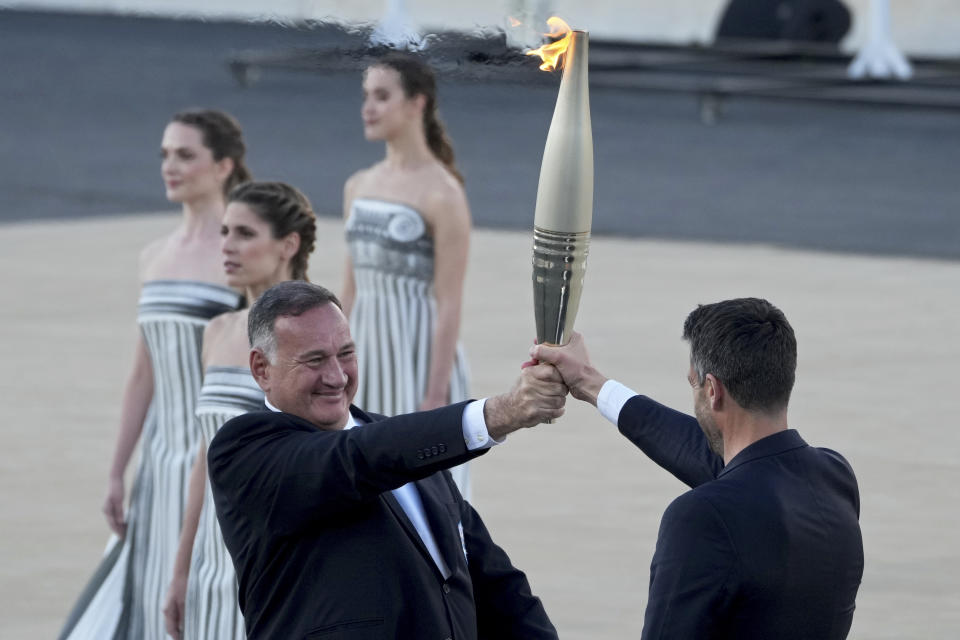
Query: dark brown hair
x,y
287,211
749,346
223,136
417,78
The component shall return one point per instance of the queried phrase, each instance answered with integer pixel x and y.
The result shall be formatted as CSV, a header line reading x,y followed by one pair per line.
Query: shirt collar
x,y
351,421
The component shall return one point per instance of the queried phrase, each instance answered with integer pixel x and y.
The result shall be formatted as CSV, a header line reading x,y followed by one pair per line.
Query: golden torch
x,y
564,212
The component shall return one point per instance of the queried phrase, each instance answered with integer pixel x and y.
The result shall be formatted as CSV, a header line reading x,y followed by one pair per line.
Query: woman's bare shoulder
x,y
357,185
226,323
361,178
225,339
150,255
445,194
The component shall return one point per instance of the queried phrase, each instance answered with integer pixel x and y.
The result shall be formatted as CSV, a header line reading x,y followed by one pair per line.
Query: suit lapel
x,y
401,516
443,515
429,505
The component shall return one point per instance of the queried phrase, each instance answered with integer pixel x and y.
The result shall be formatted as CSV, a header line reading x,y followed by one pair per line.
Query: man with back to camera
x,y
340,532
767,543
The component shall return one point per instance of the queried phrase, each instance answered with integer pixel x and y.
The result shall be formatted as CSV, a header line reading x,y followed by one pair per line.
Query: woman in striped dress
x,y
183,287
268,233
408,232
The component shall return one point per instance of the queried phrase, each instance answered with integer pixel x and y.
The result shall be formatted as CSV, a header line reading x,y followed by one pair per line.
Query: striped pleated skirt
x,y
124,599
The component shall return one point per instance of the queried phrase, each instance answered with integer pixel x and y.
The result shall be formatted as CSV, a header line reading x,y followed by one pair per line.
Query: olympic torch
x,y
564,211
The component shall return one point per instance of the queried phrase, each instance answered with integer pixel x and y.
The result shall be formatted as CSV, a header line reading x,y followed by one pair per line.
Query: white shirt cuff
x,y
475,432
611,399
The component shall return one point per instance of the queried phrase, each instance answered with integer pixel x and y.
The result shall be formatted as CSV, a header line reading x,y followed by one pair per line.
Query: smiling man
x,y
347,525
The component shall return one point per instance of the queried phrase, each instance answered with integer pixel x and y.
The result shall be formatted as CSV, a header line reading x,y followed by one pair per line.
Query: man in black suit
x,y
767,543
347,525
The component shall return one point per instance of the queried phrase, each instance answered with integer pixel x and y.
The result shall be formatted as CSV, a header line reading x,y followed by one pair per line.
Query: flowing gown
x,y
124,599
394,315
212,612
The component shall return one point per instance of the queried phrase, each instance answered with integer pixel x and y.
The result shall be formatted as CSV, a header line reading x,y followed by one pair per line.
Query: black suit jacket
x,y
767,547
323,549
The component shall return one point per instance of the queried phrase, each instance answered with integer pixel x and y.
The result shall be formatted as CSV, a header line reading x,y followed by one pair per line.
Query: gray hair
x,y
290,298
749,346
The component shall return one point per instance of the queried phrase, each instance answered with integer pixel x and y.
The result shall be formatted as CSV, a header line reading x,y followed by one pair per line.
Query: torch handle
x,y
559,264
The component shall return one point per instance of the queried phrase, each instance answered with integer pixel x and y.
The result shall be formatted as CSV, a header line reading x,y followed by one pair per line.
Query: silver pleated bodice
x,y
394,315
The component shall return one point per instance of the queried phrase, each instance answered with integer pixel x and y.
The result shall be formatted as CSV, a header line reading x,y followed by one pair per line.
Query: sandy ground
x,y
574,503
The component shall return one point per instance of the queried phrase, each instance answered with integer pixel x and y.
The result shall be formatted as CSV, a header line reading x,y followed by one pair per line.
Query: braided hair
x,y
223,136
417,78
287,211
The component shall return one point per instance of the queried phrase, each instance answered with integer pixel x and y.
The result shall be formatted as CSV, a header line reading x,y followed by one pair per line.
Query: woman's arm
x,y
450,218
136,401
177,591
348,291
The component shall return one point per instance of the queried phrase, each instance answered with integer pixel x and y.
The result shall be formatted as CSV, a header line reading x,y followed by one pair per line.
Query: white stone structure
x,y
920,27
880,58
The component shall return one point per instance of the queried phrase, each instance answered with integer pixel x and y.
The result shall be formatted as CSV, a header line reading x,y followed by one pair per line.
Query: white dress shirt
x,y
475,435
611,399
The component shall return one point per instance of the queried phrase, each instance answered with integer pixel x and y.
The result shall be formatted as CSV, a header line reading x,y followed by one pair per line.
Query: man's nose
x,y
333,374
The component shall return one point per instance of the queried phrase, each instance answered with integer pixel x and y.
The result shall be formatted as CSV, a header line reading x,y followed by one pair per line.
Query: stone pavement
x,y
574,503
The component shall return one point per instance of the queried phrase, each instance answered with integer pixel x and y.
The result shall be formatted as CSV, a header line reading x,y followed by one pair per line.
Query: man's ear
x,y
716,393
260,368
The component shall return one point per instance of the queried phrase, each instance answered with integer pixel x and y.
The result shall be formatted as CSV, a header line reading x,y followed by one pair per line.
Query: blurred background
x,y
923,27
801,150
709,123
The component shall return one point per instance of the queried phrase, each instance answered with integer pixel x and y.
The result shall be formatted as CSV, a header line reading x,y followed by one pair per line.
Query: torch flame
x,y
550,53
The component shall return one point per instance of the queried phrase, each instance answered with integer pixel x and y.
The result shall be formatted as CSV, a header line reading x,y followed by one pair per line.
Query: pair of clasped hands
x,y
540,393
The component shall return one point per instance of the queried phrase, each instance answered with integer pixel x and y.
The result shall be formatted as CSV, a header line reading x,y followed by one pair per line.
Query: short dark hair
x,y
289,298
749,346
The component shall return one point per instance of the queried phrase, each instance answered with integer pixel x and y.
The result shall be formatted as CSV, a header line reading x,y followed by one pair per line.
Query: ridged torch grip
x,y
559,264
